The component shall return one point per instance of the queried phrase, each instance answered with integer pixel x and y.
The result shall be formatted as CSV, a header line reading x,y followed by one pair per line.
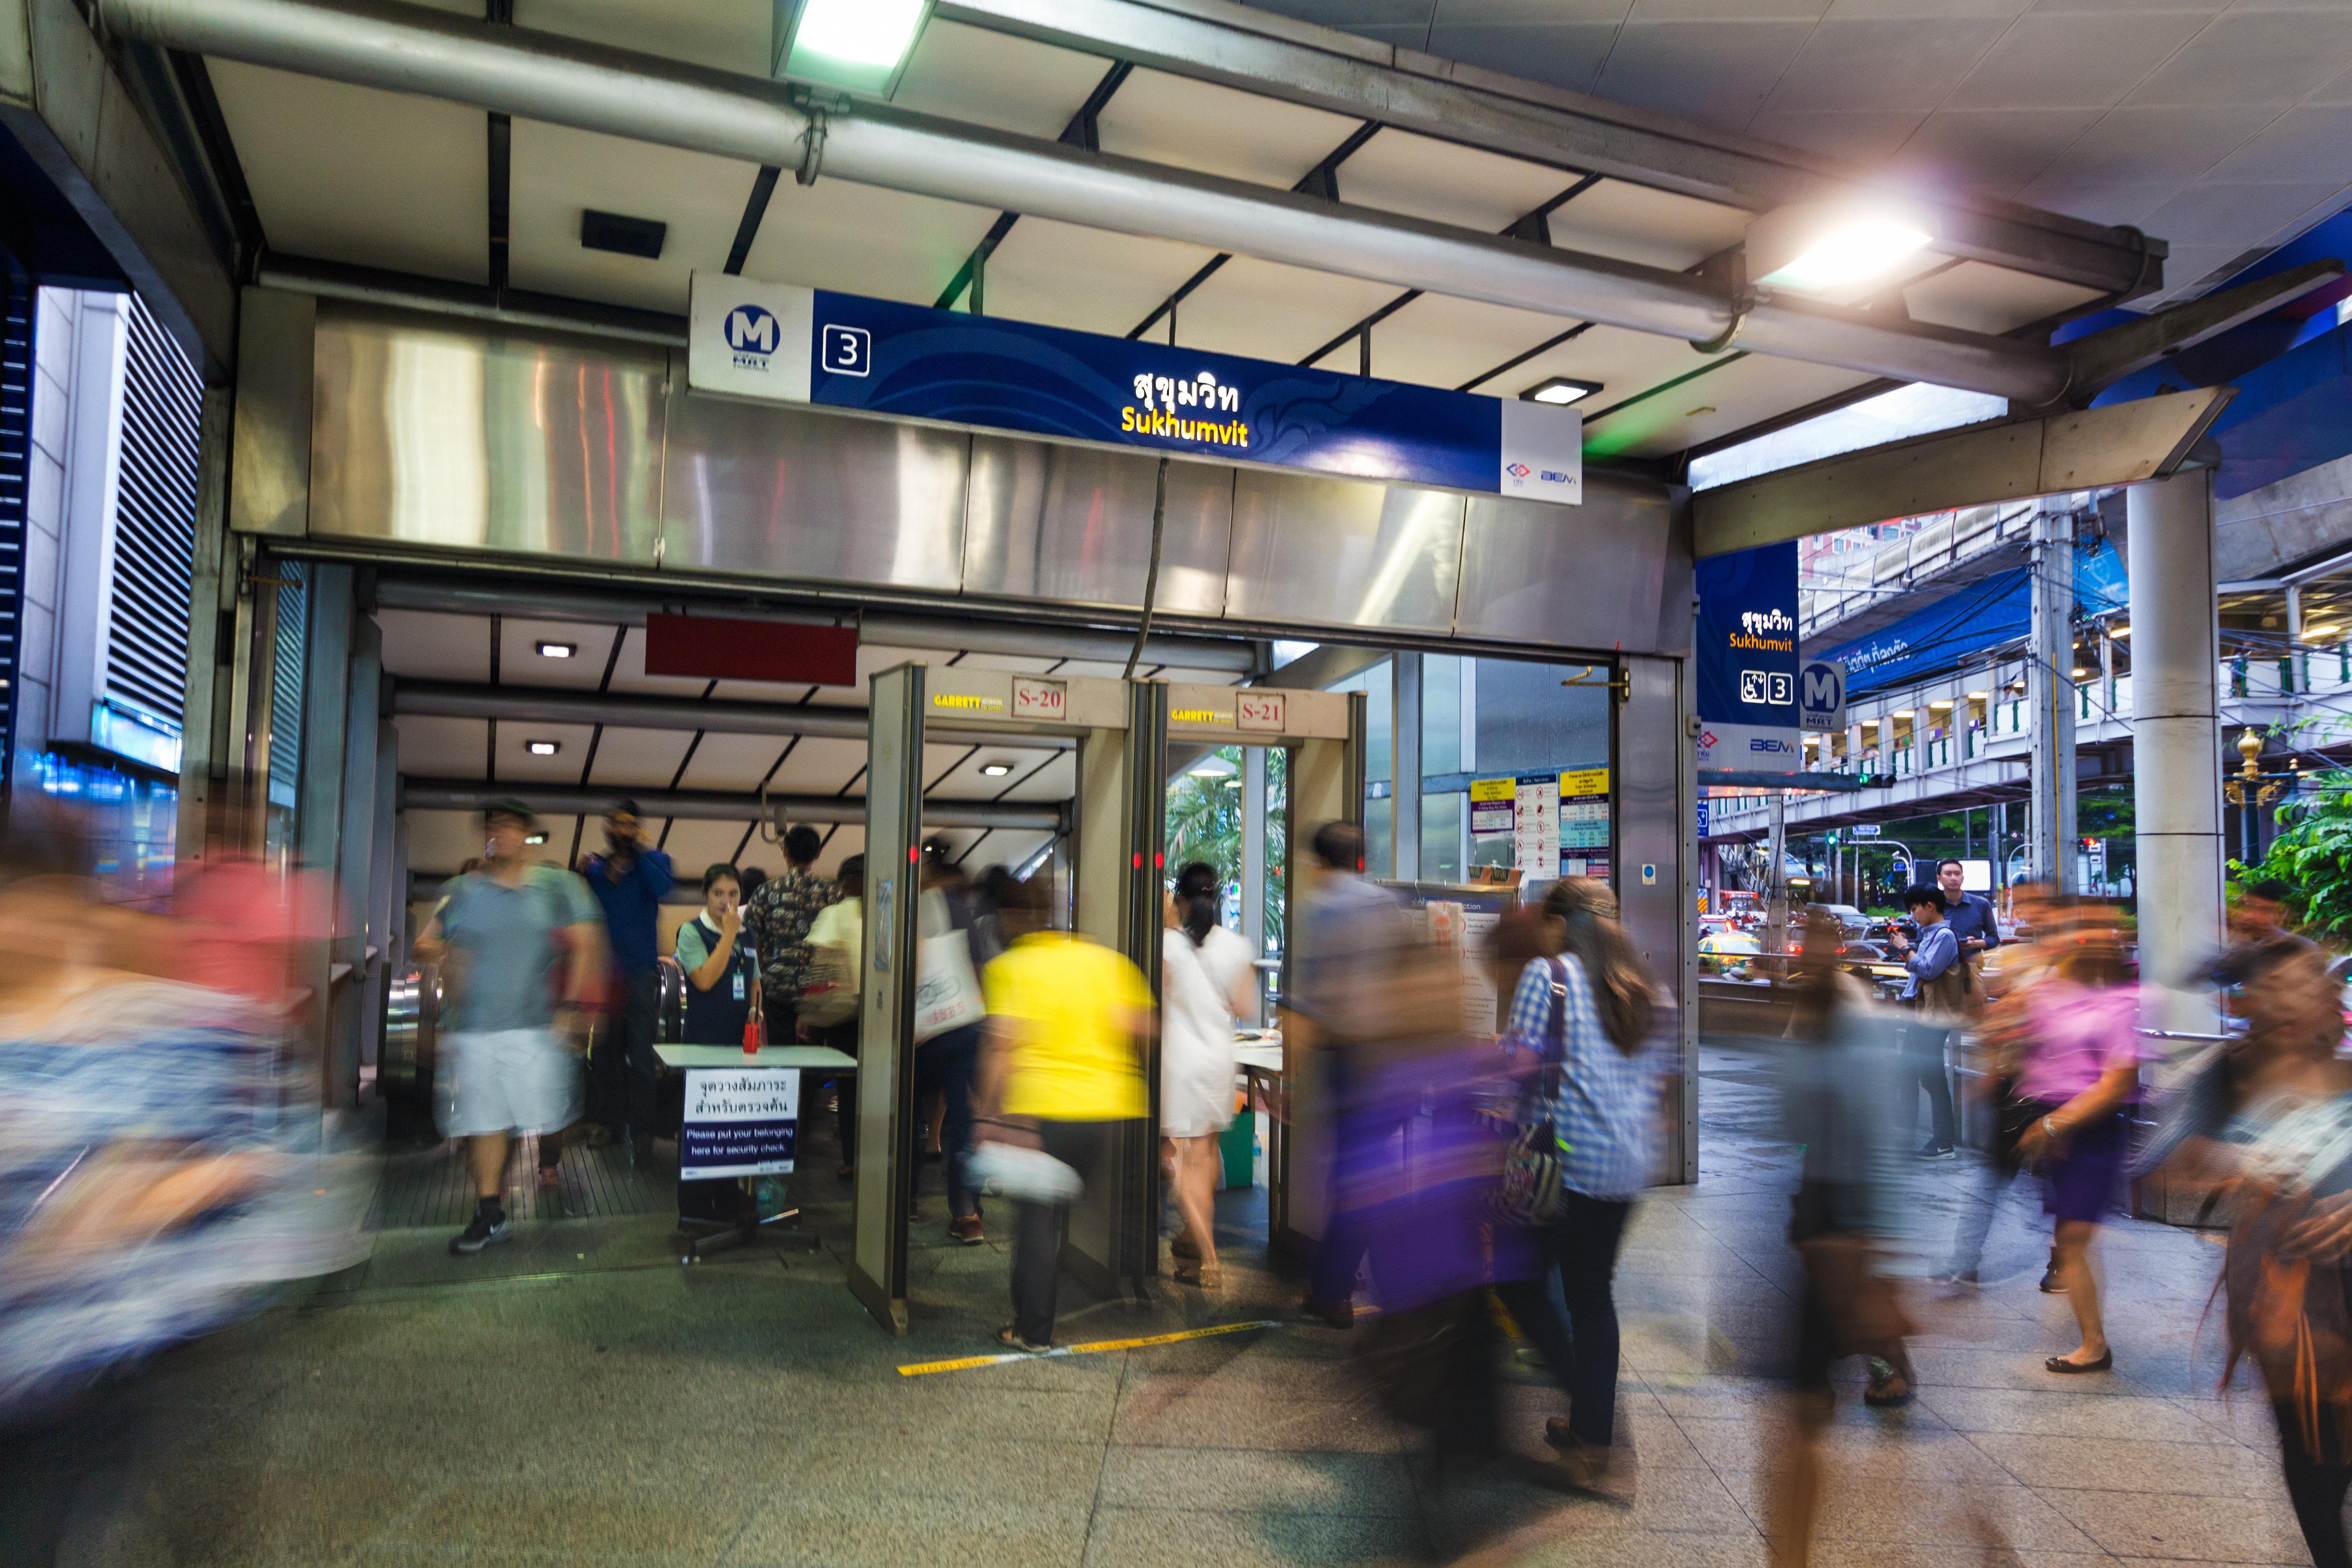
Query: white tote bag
x,y
947,991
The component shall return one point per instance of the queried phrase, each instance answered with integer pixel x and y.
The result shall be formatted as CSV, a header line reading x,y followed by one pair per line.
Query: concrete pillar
x,y
1404,767
2050,689
2175,743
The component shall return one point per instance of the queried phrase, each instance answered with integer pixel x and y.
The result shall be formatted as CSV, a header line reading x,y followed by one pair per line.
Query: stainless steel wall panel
x,y
1343,552
1073,524
784,492
464,437
1657,832
1572,576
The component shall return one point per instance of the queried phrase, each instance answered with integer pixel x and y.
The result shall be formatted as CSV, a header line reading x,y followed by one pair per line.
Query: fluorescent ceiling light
x,y
542,748
2328,630
858,45
1832,249
534,838
994,770
1903,713
557,649
1559,391
1978,696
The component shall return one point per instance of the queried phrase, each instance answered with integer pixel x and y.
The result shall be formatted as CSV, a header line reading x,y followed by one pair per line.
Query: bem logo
x,y
1518,470
1760,743
753,329
1707,739
1553,477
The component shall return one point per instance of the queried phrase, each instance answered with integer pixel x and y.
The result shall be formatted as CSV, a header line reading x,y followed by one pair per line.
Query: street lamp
x,y
2253,789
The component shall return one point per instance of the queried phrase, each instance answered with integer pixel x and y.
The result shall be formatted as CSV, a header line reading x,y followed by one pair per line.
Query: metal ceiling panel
x,y
1014,662
1439,340
819,765
1216,130
1656,228
1342,552
424,434
1586,577
1721,403
994,79
629,758
840,844
441,841
1073,524
1623,363
694,846
517,764
521,664
1058,779
442,747
790,494
558,173
349,173
1400,172
1089,279
864,239
1267,311
1982,297
726,35
731,762
431,646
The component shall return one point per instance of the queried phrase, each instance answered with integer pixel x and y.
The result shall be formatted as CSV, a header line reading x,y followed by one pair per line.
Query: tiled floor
x,y
579,1397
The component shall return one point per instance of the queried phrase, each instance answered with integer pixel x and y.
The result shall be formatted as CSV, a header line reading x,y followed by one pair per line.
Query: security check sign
x,y
1820,695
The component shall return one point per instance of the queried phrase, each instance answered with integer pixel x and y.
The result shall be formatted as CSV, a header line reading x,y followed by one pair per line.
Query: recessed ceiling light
x,y
1560,389
557,649
542,748
534,838
1978,696
858,46
2328,630
2080,672
1828,249
1232,783
1902,713
623,234
994,770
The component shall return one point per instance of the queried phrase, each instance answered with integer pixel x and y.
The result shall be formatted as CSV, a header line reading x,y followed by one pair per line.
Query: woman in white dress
x,y
1206,979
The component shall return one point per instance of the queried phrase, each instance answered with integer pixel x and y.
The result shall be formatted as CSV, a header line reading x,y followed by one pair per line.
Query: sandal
x,y
1205,1275
1013,1341
1184,1247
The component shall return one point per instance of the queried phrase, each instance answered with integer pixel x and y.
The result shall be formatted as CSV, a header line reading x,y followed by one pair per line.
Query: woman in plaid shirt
x,y
1604,1113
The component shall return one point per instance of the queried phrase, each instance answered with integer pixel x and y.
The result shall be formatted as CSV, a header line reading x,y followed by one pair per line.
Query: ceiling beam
x,y
1258,51
711,805
631,710
1976,465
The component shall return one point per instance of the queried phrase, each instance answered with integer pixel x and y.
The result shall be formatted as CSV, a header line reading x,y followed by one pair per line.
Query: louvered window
x,y
286,683
16,431
154,524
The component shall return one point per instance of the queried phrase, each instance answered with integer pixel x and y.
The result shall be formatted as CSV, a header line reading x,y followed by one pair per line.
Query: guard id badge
x,y
739,985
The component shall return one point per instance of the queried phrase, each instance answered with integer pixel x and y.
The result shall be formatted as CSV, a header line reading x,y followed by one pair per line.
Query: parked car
x,y
1727,953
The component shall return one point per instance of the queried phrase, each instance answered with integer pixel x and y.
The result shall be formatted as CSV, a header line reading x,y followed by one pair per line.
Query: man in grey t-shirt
x,y
519,944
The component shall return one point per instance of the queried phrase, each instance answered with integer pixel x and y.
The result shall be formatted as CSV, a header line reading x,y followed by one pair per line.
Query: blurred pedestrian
x,y
629,881
2267,1122
1937,985
1067,1023
1351,938
1997,1046
2078,1075
948,1063
1206,981
520,949
1845,1097
1582,1014
2259,936
833,987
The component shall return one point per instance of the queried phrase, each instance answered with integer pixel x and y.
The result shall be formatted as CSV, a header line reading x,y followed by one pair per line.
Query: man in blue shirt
x,y
628,879
1938,983
1970,915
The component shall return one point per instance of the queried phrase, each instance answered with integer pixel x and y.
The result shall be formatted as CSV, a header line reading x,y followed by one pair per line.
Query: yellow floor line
x,y
965,1363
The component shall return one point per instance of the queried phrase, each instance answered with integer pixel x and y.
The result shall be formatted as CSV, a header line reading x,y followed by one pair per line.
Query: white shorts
x,y
506,1080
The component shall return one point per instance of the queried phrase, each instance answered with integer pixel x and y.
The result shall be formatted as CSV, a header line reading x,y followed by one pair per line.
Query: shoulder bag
x,y
1529,1192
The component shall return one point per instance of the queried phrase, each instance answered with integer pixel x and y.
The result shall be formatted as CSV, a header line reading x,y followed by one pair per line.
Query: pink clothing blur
x,y
240,920
2075,1035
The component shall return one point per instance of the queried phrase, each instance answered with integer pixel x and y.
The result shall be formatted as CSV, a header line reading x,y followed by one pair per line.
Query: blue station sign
x,y
777,342
1747,660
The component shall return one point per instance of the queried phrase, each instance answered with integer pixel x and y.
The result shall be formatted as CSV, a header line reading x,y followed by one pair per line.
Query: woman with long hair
x,y
1205,983
2078,1070
1584,1013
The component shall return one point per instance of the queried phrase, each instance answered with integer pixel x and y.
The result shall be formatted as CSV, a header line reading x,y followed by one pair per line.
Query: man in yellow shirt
x,y
1067,1019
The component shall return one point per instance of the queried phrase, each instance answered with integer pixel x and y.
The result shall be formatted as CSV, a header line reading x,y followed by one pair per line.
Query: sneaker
x,y
1890,1386
965,1232
2051,1284
1939,1151
488,1228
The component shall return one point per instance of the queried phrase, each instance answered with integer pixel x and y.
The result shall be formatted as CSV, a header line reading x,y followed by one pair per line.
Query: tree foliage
x,y
1204,823
2313,854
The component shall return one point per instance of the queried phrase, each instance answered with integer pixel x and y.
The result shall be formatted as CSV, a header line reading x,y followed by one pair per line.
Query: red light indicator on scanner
x,y
914,852
1159,862
1139,860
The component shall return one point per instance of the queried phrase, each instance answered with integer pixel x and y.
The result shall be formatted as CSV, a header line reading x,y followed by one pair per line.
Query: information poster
x,y
739,1121
1535,827
1491,806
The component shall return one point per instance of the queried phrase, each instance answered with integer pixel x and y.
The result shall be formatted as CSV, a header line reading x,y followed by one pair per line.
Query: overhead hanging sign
x,y
782,343
1820,695
1746,643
